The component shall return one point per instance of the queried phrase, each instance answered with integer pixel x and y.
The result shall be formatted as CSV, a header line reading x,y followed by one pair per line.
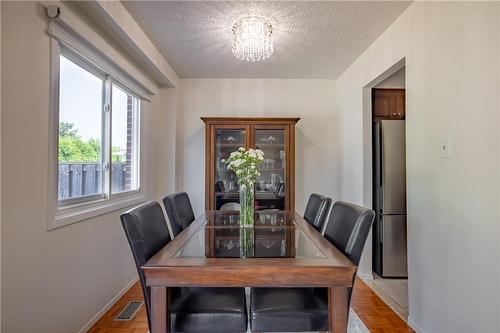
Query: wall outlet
x,y
445,148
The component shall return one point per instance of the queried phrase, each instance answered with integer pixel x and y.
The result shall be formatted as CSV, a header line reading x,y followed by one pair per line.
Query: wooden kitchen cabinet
x,y
275,188
388,104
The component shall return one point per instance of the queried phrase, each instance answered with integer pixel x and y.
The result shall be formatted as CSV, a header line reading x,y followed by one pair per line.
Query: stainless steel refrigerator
x,y
389,199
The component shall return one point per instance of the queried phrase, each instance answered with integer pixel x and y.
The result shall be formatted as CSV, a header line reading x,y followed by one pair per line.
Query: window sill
x,y
83,211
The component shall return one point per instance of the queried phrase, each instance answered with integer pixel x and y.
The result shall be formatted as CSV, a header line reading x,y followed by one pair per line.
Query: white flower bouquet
x,y
244,164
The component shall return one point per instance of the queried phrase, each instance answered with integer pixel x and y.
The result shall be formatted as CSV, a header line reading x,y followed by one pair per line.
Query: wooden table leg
x,y
338,309
160,310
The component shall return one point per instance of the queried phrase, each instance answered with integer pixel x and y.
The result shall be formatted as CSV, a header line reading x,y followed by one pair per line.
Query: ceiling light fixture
x,y
252,39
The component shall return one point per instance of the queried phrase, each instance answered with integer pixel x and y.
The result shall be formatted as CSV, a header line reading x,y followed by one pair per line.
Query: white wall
x,y
395,81
165,139
317,136
452,81
56,281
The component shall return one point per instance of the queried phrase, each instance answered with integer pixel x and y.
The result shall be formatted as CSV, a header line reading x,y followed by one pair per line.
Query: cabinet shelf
x,y
237,194
270,146
278,237
230,145
271,169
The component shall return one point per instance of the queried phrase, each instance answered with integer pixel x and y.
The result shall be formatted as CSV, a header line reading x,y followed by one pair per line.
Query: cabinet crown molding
x,y
287,120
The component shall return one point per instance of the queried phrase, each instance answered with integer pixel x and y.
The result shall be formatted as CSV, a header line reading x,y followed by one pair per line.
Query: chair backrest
x,y
179,211
230,206
317,210
348,228
147,233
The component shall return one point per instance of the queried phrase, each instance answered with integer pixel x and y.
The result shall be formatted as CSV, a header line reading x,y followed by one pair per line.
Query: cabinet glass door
x,y
270,187
226,187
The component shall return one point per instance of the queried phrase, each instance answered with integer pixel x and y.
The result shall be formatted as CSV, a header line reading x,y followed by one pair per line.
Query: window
x,y
98,143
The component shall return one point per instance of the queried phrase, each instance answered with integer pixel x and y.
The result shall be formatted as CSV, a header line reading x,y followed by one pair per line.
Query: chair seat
x,y
289,309
209,310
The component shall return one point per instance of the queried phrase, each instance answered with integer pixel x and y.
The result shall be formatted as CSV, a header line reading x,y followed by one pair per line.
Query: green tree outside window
x,y
73,149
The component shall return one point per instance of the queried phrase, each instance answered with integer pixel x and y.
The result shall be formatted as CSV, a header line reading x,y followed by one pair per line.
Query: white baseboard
x,y
108,306
415,326
365,276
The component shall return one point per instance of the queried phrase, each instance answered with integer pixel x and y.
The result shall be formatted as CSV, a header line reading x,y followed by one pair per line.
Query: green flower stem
x,y
247,205
246,242
246,220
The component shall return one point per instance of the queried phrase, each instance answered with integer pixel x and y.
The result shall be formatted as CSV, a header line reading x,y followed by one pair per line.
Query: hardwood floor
x,y
374,313
139,324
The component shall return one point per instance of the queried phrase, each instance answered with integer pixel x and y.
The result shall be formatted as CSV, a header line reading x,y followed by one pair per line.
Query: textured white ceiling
x,y
312,39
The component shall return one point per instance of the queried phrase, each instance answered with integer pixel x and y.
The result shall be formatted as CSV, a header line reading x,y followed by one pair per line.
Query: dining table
x,y
285,251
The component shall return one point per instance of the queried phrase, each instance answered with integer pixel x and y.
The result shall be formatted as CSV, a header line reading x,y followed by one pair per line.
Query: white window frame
x,y
69,211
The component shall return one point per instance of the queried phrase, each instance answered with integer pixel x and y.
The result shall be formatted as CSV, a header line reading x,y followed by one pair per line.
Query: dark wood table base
x,y
338,310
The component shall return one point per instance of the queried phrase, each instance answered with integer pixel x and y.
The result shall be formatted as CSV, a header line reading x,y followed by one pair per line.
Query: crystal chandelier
x,y
252,39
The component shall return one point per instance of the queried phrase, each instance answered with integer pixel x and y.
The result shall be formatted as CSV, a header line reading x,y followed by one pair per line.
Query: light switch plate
x,y
445,148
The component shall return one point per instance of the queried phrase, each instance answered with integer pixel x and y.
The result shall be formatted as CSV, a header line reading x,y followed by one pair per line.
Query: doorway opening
x,y
385,188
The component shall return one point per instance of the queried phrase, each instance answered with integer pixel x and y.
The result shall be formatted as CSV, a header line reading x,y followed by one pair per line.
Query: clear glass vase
x,y
246,205
247,242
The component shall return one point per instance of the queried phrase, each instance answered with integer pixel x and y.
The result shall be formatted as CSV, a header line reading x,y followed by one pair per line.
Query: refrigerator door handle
x,y
381,229
381,147
381,172
381,200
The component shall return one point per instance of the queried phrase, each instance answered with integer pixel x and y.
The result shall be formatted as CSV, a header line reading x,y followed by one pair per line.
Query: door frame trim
x,y
366,261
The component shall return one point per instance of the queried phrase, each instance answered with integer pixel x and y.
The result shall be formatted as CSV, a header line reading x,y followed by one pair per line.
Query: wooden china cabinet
x,y
275,188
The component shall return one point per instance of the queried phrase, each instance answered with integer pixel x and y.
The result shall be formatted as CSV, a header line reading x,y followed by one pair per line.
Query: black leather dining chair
x,y
306,309
317,210
192,309
179,211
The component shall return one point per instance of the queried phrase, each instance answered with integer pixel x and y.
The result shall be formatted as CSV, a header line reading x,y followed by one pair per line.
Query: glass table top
x,y
275,235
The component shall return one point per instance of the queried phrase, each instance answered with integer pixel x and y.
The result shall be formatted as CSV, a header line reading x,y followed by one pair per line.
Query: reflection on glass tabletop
x,y
268,242
263,218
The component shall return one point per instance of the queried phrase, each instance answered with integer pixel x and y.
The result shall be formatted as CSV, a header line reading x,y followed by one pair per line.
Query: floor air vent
x,y
129,311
